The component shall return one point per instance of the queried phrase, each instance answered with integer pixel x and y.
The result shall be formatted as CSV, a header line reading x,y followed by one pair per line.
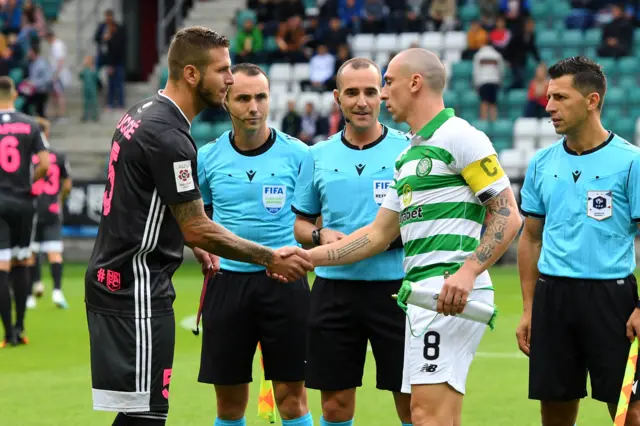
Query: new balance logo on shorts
x,y
429,368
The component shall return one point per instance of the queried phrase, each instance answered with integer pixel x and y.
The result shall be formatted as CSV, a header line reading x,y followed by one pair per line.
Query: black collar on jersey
x,y
369,145
589,151
256,151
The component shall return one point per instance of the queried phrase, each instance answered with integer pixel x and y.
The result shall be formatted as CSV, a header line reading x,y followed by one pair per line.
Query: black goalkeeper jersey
x,y
20,138
139,244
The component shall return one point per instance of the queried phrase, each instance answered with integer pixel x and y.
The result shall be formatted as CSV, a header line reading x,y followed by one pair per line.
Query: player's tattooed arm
x,y
361,244
502,224
200,231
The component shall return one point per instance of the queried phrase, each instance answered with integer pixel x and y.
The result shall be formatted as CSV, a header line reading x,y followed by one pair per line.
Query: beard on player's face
x,y
206,96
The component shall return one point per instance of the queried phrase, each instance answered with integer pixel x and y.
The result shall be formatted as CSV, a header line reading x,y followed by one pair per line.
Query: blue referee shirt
x,y
251,191
591,206
347,185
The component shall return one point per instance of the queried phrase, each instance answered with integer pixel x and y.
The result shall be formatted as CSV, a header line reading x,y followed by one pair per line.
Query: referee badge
x,y
599,204
274,197
424,167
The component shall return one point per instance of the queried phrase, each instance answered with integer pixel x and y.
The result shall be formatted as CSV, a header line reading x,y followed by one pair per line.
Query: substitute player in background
x,y
20,138
51,191
247,178
152,207
581,198
345,179
443,185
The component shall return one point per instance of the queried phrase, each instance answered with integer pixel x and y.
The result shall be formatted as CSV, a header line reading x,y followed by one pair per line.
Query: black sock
x,y
5,304
56,273
21,285
124,420
34,272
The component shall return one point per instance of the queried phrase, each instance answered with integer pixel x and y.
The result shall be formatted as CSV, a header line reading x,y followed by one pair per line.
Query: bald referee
x,y
576,255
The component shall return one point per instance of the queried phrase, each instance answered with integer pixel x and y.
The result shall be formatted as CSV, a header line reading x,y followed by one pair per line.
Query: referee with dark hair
x,y
576,255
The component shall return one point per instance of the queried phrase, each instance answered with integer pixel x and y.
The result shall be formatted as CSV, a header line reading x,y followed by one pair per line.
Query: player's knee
x,y
338,406
54,257
291,399
231,401
429,415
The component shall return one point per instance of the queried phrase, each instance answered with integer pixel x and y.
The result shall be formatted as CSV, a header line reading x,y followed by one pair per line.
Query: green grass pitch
x,y
48,381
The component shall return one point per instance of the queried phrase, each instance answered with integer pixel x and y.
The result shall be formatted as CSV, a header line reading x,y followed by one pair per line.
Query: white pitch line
x,y
189,323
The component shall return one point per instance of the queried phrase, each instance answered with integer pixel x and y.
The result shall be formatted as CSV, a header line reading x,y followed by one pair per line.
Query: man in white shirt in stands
x,y
61,73
488,72
321,68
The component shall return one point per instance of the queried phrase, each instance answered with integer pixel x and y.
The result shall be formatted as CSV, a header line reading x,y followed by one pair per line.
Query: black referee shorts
x,y
344,316
242,309
579,327
131,362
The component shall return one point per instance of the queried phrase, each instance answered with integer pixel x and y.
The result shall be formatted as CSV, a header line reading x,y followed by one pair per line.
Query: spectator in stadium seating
x,y
328,10
89,77
537,96
291,122
99,39
442,15
374,14
61,73
488,72
617,35
335,35
290,39
582,14
114,60
383,70
32,14
321,69
265,14
249,43
522,44
350,12
11,16
335,120
309,124
477,37
500,35
342,56
488,9
6,62
288,8
38,84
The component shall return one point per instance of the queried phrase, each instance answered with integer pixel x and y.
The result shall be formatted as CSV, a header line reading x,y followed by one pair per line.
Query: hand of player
x,y
328,236
633,325
207,260
455,291
289,264
523,333
403,295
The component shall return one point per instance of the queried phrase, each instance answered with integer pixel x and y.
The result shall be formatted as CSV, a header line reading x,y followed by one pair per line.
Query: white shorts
x,y
442,354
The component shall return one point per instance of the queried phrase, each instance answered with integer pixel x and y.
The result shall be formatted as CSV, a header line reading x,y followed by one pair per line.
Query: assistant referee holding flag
x,y
576,256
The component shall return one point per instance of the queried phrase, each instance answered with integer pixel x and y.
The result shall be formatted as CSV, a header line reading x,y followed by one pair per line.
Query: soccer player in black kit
x,y
151,209
51,191
20,138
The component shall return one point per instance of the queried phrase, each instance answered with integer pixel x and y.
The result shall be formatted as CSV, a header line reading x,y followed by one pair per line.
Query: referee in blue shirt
x,y
576,255
247,177
345,180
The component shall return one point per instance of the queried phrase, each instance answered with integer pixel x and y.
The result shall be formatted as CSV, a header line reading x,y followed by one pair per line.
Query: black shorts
x,y
48,236
131,361
242,309
489,93
17,216
344,315
579,327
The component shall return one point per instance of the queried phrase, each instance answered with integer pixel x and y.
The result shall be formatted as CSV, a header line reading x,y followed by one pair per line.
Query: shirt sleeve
x,y
477,161
172,160
306,200
391,200
40,142
531,203
633,189
63,164
203,181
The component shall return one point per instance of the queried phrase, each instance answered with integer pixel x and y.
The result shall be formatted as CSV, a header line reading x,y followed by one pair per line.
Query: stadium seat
x,y
382,59
462,70
450,99
455,40
627,83
547,132
327,100
593,37
362,43
386,43
636,37
280,73
548,55
502,128
539,11
300,72
432,41
561,9
305,97
270,44
517,98
633,98
17,75
608,65
570,52
501,143
524,144
525,128
469,100
513,162
19,103
405,40
469,12
572,38
280,96
615,97
625,128
202,132
453,56
482,125
628,65
548,39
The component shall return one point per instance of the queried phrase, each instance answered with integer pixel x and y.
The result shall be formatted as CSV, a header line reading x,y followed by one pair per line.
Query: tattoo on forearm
x,y
353,246
215,239
493,236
